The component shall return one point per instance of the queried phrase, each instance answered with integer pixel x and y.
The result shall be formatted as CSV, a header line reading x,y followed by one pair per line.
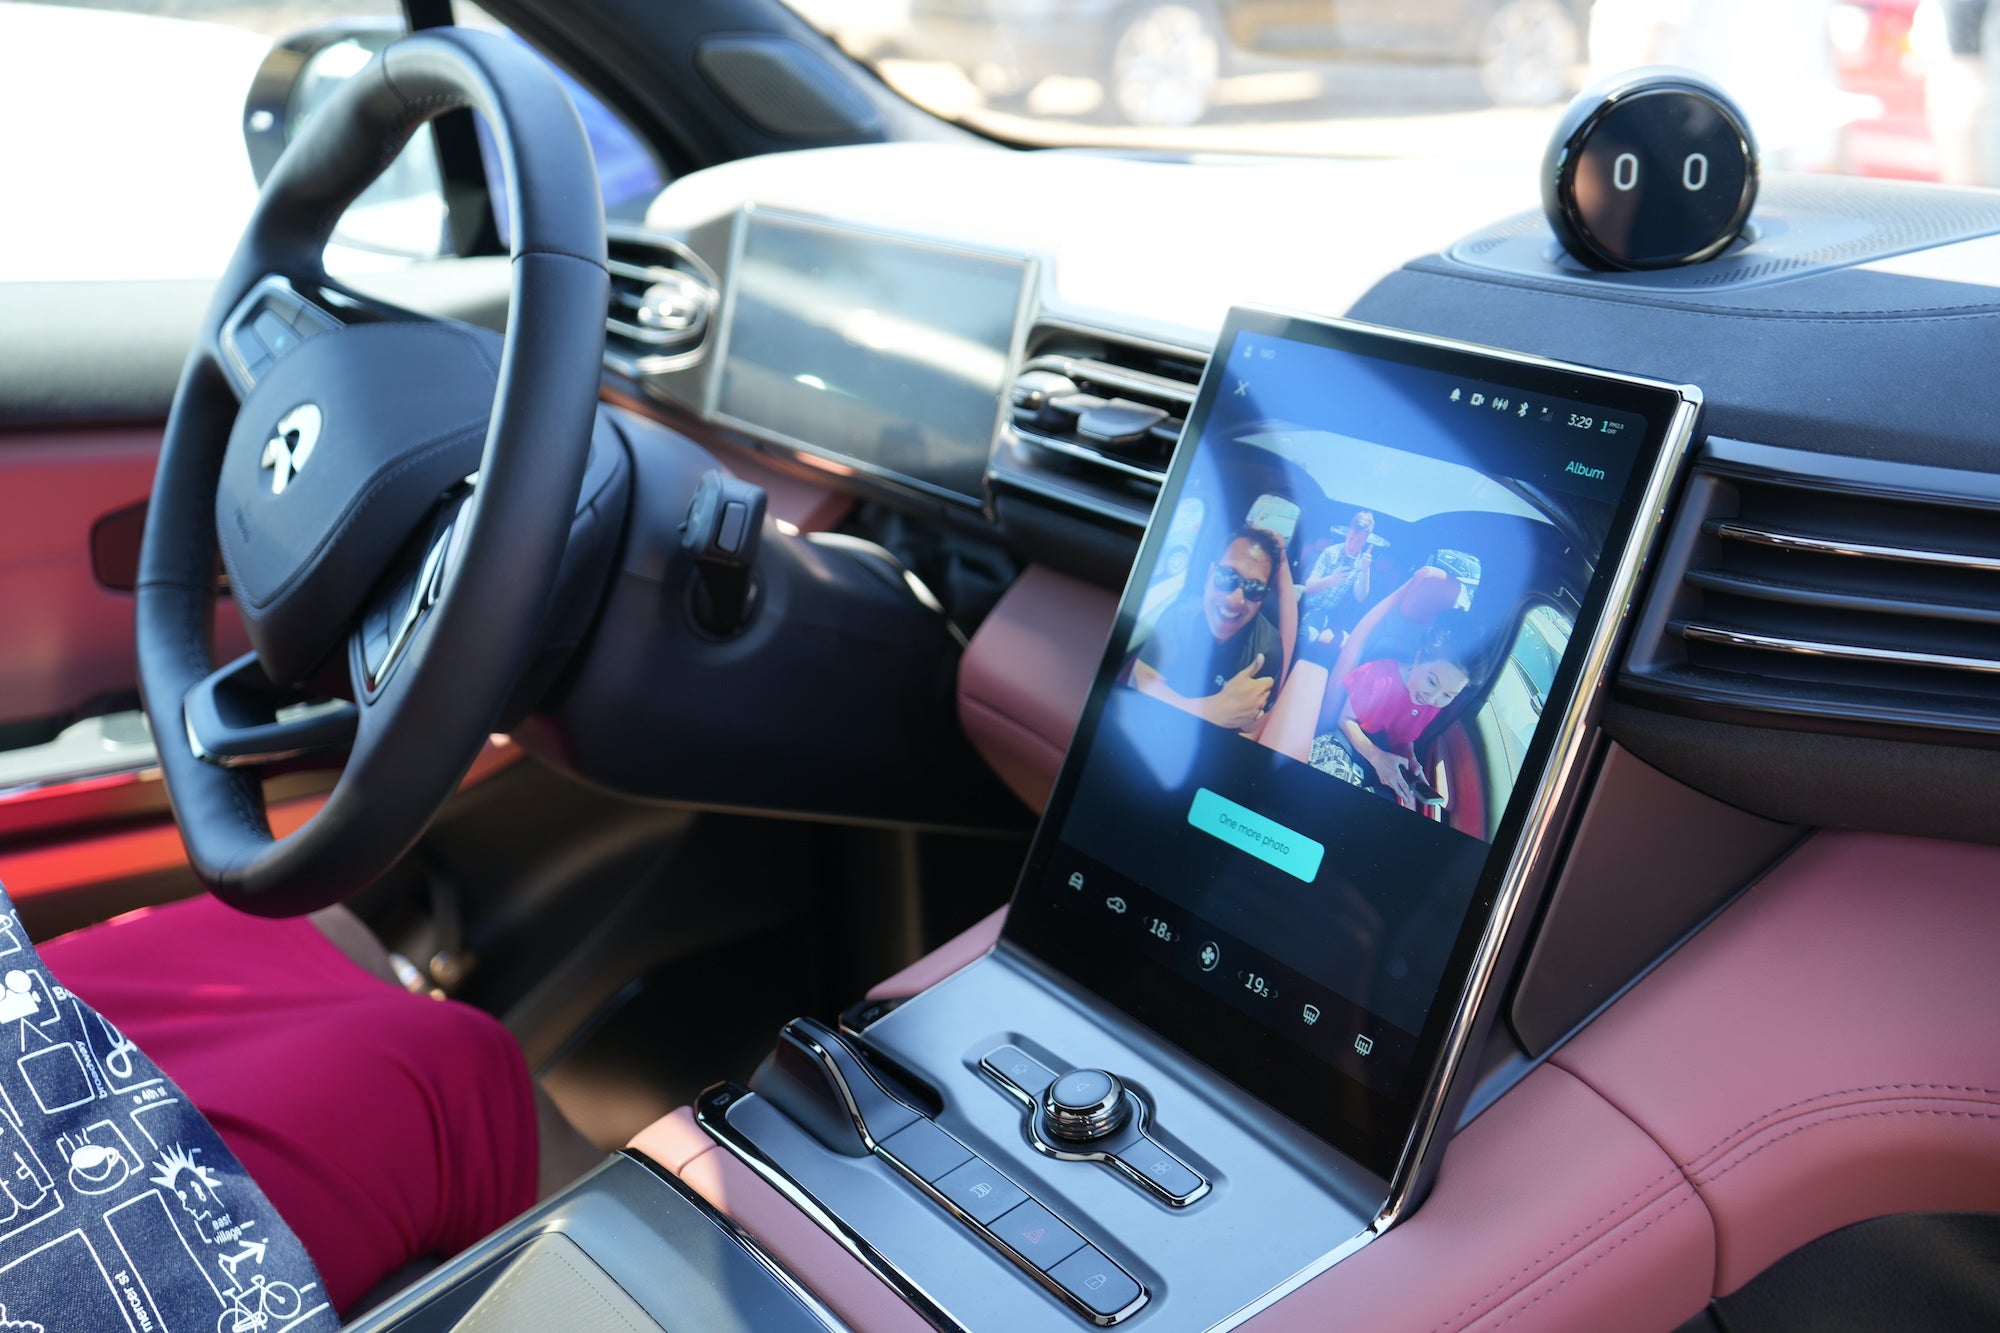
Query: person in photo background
x,y
1339,578
1213,653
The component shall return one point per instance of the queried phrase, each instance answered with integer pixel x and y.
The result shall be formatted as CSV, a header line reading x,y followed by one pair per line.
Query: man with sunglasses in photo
x,y
1215,655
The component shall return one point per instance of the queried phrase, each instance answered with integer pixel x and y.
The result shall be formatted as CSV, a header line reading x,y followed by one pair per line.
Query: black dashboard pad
x,y
1350,678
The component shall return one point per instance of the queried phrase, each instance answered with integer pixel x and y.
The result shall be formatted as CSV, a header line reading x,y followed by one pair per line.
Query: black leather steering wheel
x,y
391,494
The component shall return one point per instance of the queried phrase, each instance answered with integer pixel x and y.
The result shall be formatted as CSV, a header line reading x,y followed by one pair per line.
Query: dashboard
x,y
1811,645
1844,458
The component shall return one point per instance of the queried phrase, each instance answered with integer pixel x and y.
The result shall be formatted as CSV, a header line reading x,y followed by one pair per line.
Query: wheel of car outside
x,y
1163,64
391,494
1528,51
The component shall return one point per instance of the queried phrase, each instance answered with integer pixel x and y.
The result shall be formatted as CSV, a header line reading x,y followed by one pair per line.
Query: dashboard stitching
x,y
1917,1088
1940,315
1581,1268
1648,1188
1835,1119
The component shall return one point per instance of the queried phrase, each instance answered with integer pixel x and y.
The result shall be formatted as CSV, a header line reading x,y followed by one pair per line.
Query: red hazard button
x,y
1037,1235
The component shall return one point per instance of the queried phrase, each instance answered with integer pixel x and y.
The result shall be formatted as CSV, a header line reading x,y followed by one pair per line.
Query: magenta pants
x,y
383,1125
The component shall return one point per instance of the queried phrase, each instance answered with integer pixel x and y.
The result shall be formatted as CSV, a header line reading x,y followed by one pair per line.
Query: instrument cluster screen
x,y
868,348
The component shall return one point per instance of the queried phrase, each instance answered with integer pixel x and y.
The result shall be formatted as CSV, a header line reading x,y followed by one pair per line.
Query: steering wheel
x,y
391,494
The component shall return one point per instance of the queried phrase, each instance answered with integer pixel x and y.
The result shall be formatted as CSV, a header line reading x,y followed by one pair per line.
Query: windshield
x,y
1892,88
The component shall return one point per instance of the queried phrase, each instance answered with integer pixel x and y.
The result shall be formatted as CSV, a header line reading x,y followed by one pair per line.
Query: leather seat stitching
x,y
1650,1187
1724,1141
1578,1271
1711,1177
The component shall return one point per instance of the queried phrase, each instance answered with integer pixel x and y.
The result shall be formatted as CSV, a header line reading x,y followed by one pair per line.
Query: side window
x,y
627,172
124,150
153,164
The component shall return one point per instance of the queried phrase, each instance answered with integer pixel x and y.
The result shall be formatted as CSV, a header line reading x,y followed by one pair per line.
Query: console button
x,y
980,1192
1037,1235
1167,1173
1102,1286
1016,1066
927,1150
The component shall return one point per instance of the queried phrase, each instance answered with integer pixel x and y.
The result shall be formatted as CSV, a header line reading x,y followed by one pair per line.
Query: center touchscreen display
x,y
1354,629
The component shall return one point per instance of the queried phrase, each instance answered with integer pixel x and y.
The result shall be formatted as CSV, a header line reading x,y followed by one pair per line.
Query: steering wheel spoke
x,y
236,718
401,609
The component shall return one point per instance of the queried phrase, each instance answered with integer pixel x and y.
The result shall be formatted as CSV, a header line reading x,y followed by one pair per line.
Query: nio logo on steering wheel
x,y
286,452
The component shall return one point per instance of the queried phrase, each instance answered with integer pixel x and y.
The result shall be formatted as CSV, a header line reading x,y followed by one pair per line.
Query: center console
x,y
1314,800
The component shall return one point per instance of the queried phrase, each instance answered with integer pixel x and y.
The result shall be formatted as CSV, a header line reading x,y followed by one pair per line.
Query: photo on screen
x,y
1391,620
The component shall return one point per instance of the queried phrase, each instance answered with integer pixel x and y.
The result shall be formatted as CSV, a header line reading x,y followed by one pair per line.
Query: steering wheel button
x,y
980,1192
927,1150
1102,1286
276,335
1037,1235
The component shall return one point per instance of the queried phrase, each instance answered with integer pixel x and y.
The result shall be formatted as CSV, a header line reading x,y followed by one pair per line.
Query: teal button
x,y
1247,831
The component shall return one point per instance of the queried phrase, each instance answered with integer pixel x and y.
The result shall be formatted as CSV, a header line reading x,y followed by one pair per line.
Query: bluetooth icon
x,y
1210,956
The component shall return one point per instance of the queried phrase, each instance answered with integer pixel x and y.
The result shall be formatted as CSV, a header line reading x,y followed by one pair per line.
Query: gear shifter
x,y
723,529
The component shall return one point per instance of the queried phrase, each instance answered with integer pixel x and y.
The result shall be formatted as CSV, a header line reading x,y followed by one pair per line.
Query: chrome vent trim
x,y
664,302
1856,591
1119,369
1845,652
1803,541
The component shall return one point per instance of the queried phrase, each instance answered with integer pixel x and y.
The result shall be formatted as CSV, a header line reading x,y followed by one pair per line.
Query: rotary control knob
x,y
1085,1105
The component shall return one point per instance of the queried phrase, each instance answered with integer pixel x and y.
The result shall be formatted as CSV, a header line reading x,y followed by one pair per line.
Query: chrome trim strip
x,y
1842,652
726,1224
1104,372
1729,530
710,1112
1089,455
78,783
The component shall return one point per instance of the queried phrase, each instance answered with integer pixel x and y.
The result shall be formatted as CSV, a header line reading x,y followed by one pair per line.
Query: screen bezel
x,y
1383,1133
751,215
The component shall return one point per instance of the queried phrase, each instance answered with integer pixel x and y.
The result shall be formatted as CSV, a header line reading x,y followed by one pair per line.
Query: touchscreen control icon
x,y
1363,1045
1076,880
1116,904
1311,1014
1210,956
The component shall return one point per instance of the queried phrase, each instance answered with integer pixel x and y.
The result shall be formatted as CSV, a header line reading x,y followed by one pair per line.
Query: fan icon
x,y
1210,956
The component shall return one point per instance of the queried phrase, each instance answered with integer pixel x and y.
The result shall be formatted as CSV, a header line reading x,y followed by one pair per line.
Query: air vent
x,y
1104,402
1836,588
662,304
